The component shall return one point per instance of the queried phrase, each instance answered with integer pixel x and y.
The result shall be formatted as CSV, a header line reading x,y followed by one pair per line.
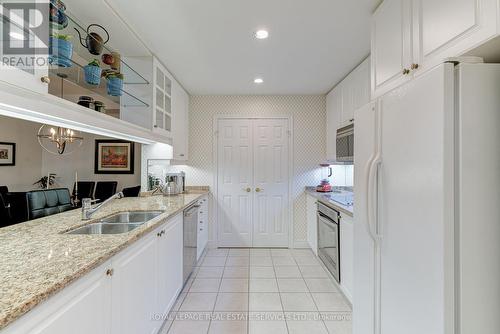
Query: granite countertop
x,y
325,198
38,261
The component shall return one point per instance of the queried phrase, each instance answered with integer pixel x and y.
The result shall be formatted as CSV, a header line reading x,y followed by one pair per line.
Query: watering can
x,y
93,41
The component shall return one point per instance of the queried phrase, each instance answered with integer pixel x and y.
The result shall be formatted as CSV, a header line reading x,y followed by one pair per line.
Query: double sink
x,y
120,222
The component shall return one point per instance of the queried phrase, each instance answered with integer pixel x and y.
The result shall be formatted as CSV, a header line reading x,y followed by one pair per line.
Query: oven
x,y
329,239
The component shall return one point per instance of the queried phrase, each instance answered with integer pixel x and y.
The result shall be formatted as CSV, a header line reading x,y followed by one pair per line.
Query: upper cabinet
x,y
411,36
350,94
391,45
162,98
180,122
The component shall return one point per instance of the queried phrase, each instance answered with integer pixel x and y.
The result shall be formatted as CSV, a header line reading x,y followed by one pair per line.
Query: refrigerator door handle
x,y
372,198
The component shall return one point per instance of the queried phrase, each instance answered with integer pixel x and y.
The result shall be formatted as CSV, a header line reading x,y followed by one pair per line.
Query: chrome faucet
x,y
88,210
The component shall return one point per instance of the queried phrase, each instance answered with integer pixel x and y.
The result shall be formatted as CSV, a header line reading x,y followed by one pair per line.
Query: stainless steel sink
x,y
100,228
121,222
130,217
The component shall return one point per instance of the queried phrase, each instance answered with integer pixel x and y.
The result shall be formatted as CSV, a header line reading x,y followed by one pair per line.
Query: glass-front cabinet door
x,y
162,99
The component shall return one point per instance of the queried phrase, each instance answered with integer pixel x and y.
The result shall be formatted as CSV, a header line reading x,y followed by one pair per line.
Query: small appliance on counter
x,y
175,183
326,173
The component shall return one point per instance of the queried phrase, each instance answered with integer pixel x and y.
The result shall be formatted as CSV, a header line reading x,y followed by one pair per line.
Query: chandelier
x,y
57,140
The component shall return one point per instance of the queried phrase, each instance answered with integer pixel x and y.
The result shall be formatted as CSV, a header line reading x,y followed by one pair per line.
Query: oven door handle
x,y
325,217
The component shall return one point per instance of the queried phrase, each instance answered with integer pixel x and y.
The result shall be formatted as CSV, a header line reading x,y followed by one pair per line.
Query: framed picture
x,y
114,157
7,154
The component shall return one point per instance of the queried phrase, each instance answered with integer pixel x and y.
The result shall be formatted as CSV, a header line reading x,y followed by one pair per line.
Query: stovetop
x,y
346,199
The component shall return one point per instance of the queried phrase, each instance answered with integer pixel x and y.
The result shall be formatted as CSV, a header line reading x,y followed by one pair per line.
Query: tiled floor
x,y
259,291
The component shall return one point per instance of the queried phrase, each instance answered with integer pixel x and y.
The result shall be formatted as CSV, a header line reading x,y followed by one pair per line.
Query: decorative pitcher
x,y
93,41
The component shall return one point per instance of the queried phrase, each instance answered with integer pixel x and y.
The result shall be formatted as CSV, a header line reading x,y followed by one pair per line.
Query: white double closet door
x,y
253,162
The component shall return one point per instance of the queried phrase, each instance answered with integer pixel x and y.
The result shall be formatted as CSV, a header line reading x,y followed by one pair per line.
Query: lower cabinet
x,y
202,240
312,223
133,289
129,294
347,255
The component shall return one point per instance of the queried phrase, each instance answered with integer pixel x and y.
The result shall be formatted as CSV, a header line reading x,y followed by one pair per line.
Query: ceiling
x,y
209,45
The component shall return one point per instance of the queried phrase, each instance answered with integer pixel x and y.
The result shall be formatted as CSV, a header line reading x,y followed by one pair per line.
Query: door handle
x,y
258,189
247,189
372,199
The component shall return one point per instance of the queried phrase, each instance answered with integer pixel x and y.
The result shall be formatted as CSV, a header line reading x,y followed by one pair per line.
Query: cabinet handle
x,y
181,155
45,79
406,71
351,120
109,272
247,190
201,229
258,190
414,66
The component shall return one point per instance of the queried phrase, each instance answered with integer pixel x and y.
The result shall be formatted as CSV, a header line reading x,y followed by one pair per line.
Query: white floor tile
x,y
292,285
210,272
281,252
237,261
232,302
234,285
339,326
260,252
189,327
307,260
287,272
313,272
228,327
214,262
198,302
267,323
302,252
217,252
261,261
298,302
321,285
263,285
330,302
265,302
284,261
205,285
305,323
262,272
239,252
236,272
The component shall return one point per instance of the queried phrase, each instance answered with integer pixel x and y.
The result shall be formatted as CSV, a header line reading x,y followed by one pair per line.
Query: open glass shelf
x,y
68,80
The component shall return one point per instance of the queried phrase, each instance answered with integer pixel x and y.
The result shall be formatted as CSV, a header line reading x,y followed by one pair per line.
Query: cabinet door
x,y
162,99
202,226
180,121
333,110
133,292
312,223
449,28
391,45
348,87
170,245
347,255
83,307
12,71
362,87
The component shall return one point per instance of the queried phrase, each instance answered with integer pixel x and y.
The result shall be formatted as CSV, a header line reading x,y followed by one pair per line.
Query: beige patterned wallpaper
x,y
309,116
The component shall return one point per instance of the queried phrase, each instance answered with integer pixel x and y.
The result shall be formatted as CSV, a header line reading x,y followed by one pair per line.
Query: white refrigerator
x,y
427,206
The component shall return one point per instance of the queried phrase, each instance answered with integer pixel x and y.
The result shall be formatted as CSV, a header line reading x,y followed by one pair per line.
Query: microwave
x,y
345,144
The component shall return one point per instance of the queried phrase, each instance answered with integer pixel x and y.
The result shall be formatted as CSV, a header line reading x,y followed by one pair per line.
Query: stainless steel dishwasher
x,y
190,239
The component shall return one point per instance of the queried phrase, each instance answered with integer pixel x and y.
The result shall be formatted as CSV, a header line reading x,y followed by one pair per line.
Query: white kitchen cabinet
x,y
312,223
70,311
412,36
391,47
347,255
202,240
333,107
162,98
362,89
169,259
133,290
180,121
449,28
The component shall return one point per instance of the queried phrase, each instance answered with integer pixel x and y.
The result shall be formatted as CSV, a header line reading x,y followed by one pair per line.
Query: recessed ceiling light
x,y
261,34
258,80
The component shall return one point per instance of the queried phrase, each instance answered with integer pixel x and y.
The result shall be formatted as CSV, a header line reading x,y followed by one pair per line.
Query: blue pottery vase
x,y
60,52
92,74
115,86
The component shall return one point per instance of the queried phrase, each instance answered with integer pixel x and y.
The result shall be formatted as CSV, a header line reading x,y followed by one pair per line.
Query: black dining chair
x,y
104,190
132,191
85,190
5,215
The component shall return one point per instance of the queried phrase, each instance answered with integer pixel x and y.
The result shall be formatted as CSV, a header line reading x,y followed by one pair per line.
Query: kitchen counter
x,y
325,199
37,260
